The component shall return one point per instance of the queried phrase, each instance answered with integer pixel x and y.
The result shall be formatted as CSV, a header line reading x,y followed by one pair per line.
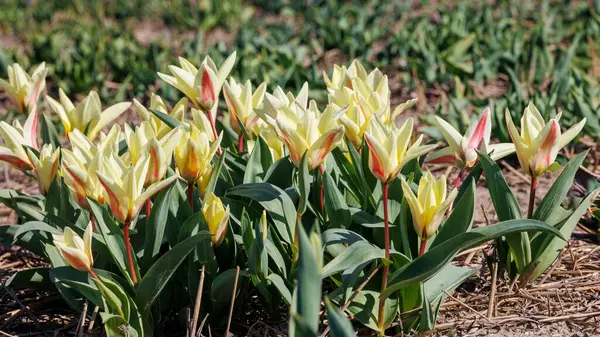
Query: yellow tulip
x,y
217,218
87,116
23,89
391,148
282,108
313,134
203,86
539,142
45,166
143,142
269,135
241,102
194,153
77,252
123,189
430,204
462,150
15,137
202,122
156,103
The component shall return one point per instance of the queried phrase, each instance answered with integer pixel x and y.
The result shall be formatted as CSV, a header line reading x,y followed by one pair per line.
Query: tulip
x,y
428,207
538,144
312,134
45,165
390,148
241,102
143,142
269,135
194,154
217,218
156,103
76,252
15,137
283,108
123,189
202,122
86,150
23,89
87,116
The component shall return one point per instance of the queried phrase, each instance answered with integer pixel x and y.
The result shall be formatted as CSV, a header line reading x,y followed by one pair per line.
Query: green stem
x,y
386,268
532,190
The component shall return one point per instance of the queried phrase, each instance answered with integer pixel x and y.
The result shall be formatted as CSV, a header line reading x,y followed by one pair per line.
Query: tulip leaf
x,y
425,266
279,283
304,180
155,227
89,291
49,133
335,204
171,121
461,218
356,254
259,162
281,173
339,323
306,303
33,226
559,188
546,248
113,237
275,201
222,287
36,278
507,208
161,271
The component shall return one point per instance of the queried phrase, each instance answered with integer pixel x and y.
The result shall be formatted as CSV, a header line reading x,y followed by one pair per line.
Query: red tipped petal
x,y
376,164
208,91
479,132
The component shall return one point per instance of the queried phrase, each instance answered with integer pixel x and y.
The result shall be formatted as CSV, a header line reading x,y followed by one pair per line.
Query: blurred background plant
x,y
508,51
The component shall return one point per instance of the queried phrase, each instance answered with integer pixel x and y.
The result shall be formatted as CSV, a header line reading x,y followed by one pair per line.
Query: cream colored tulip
x,y
23,89
15,137
45,165
77,252
217,218
156,103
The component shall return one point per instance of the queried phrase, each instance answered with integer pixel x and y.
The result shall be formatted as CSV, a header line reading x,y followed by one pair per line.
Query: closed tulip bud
x,y
201,86
23,89
462,149
77,252
45,166
15,137
217,218
194,153
430,204
123,191
87,116
539,142
391,148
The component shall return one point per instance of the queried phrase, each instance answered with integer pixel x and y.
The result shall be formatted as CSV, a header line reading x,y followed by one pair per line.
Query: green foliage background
x,y
460,56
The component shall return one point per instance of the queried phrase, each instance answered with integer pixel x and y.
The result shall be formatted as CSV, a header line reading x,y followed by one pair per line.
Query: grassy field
x,y
456,58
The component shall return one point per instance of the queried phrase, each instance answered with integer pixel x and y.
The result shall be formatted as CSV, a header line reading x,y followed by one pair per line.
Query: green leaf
x,y
275,201
356,254
461,218
214,177
339,324
335,204
558,191
428,264
155,227
33,226
37,278
161,271
279,283
546,248
507,208
49,133
89,291
113,237
304,180
222,287
427,317
307,297
259,162
171,121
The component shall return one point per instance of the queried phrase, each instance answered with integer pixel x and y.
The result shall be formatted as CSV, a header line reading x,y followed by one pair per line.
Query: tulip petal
x,y
501,150
443,156
150,191
452,137
570,134
30,128
321,148
106,117
478,131
378,158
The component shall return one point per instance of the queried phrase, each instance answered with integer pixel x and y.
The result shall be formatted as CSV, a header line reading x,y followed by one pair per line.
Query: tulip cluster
x,y
123,167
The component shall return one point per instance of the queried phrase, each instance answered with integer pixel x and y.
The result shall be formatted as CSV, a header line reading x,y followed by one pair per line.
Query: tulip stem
x,y
190,195
386,268
423,247
241,143
93,275
129,254
532,190
148,210
321,195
